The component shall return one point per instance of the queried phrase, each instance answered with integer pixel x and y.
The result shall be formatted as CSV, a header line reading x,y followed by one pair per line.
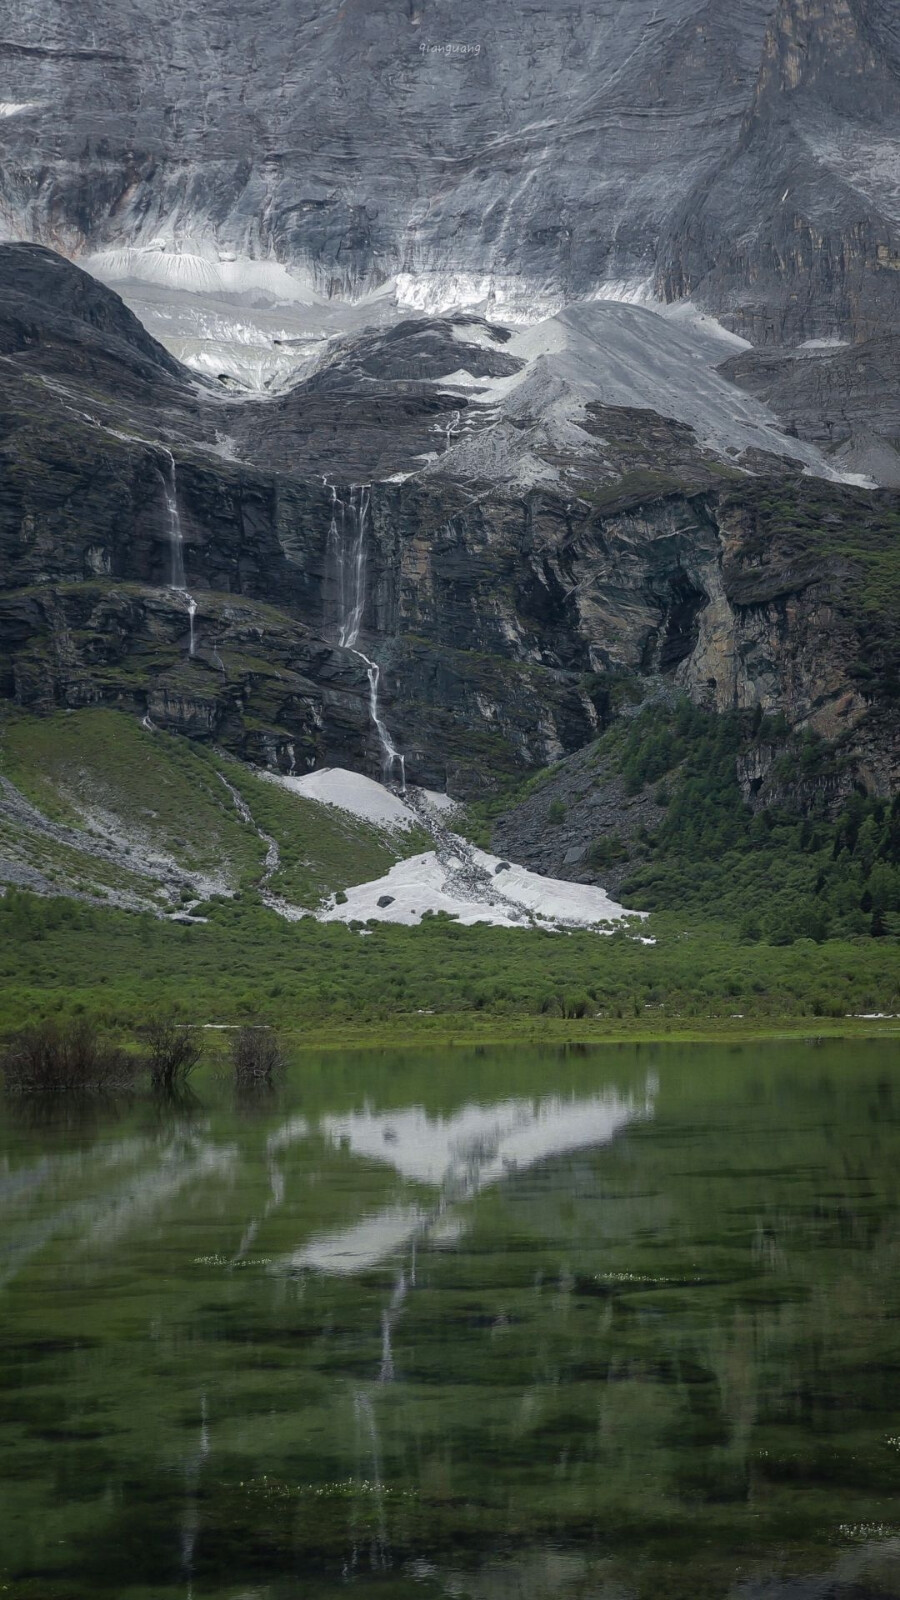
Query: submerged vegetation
x,y
65,1058
173,1053
256,1057
81,1056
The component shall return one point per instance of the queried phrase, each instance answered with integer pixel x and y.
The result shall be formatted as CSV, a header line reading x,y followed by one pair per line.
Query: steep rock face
x,y
44,301
797,236
745,151
496,627
843,397
500,616
531,142
234,160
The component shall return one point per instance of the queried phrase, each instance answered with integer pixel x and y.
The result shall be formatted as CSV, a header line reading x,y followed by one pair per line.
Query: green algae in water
x,y
491,1323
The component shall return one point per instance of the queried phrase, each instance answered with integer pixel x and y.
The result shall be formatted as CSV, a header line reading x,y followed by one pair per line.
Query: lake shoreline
x,y
449,1032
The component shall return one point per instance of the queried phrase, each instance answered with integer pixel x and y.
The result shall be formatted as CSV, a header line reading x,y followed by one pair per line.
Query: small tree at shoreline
x,y
53,1058
173,1051
256,1055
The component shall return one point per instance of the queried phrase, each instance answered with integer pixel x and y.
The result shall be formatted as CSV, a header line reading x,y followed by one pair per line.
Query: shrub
x,y
173,1051
257,1057
556,811
607,850
51,1058
577,1005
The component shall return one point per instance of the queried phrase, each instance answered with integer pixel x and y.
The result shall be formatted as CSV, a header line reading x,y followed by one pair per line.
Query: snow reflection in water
x,y
458,1156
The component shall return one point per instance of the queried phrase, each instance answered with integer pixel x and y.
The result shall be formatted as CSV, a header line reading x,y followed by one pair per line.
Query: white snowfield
x,y
613,353
226,314
506,896
503,298
200,270
455,878
352,792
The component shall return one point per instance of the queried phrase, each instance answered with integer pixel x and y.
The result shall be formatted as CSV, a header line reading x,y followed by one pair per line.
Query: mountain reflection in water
x,y
591,1324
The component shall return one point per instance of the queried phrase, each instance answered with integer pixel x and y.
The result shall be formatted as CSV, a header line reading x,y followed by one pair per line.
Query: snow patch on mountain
x,y
352,792
18,108
496,892
454,878
200,272
609,353
510,299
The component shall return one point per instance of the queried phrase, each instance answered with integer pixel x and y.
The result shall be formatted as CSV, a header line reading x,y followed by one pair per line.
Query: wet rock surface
x,y
496,611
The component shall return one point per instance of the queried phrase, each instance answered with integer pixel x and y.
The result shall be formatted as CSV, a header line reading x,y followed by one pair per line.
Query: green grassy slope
x,y
100,774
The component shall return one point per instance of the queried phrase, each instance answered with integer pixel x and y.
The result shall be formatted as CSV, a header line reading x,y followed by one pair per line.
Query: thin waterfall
x,y
353,581
392,757
177,579
348,555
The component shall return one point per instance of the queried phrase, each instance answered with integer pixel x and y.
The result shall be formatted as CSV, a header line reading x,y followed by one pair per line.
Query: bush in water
x,y
51,1058
173,1051
257,1057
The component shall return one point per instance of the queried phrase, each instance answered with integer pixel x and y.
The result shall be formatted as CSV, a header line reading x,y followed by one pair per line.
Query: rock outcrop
x,y
797,235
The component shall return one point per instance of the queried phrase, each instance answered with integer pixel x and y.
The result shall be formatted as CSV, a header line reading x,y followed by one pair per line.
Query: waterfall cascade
x,y
346,552
177,579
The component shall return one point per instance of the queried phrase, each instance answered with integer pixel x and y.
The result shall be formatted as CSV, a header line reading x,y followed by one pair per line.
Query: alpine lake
x,y
610,1323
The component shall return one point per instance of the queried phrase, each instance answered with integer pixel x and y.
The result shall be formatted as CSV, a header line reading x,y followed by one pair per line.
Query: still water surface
x,y
618,1324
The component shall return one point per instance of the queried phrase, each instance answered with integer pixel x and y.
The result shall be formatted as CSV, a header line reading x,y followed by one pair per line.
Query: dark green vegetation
x,y
477,1323
60,959
865,539
776,873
